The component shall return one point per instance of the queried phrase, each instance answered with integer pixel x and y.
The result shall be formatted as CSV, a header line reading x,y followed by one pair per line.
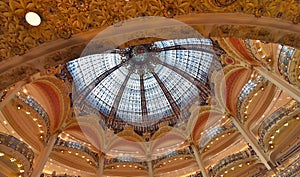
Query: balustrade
x,y
28,100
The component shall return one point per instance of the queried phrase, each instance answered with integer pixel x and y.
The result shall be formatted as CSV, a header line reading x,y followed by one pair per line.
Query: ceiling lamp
x,y
33,18
1,154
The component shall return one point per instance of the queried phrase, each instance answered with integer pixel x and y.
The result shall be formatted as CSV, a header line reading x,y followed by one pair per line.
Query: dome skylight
x,y
144,84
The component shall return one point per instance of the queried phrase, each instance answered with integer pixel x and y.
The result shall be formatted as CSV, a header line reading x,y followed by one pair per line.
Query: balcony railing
x,y
18,146
274,118
28,100
292,170
110,161
247,93
62,144
197,174
231,159
212,133
179,152
285,56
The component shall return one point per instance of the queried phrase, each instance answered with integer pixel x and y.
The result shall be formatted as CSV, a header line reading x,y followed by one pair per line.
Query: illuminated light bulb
x,y
248,163
271,146
250,101
39,125
208,146
277,131
76,153
41,131
27,112
135,166
180,158
33,19
223,136
240,165
272,137
69,152
124,165
12,159
34,119
212,142
217,139
87,159
130,165
21,171
118,166
25,90
1,154
169,161
297,118
5,123
83,156
259,49
232,168
226,172
286,124
270,142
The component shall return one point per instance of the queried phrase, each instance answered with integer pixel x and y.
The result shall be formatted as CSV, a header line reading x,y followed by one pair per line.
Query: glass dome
x,y
144,84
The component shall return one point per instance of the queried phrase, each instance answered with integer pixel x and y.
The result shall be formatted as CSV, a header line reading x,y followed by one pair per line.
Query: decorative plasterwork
x,y
62,19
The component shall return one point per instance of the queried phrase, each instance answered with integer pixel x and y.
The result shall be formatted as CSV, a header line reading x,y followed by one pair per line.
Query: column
x,y
100,165
150,168
252,141
11,94
42,158
198,160
279,82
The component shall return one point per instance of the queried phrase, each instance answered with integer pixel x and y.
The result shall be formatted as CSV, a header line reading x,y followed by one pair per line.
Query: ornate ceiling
x,y
245,128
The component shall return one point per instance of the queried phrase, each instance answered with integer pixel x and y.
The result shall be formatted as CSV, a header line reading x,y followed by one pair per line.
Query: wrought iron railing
x,y
285,56
246,94
109,161
28,100
17,145
61,144
274,118
212,133
292,170
234,158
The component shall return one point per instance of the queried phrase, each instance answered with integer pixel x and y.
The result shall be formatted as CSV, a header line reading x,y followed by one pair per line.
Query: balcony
x,y
285,56
17,153
38,109
125,161
214,134
229,161
77,149
275,120
247,93
292,170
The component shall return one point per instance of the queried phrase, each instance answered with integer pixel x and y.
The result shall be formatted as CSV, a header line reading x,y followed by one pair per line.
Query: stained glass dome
x,y
144,84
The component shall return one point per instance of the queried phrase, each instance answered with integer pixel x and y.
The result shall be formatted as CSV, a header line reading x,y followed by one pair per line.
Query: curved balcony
x,y
285,56
185,153
197,174
75,148
243,156
132,162
248,91
291,170
215,133
275,119
17,152
34,105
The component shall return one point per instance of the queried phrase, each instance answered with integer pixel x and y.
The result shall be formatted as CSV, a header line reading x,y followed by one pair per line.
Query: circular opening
x,y
33,19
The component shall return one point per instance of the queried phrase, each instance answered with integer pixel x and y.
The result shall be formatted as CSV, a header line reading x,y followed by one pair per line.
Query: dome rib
x,y
171,101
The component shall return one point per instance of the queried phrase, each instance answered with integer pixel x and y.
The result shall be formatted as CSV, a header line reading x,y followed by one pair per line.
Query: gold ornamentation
x,y
78,16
